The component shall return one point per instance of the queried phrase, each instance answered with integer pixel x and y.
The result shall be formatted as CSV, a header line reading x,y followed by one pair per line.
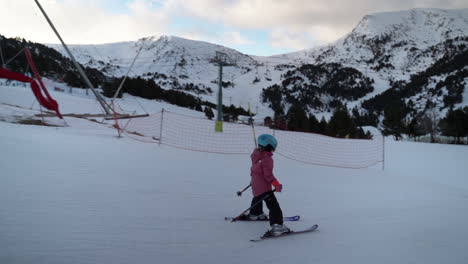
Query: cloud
x,y
322,20
80,22
282,37
268,13
235,37
292,24
299,39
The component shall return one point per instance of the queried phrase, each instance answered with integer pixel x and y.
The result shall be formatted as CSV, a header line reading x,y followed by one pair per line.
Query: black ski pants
x,y
275,215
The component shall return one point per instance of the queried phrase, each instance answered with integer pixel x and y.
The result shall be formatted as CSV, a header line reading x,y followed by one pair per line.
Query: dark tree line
x,y
342,124
148,89
309,84
455,124
49,62
454,83
306,86
402,116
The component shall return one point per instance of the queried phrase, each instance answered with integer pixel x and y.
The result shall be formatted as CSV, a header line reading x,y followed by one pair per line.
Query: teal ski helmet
x,y
265,139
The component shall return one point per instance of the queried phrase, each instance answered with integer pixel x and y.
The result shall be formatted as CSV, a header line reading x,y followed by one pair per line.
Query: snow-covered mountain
x,y
166,54
384,47
394,40
179,61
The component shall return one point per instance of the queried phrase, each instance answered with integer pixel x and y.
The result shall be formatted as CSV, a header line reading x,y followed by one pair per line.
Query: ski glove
x,y
278,186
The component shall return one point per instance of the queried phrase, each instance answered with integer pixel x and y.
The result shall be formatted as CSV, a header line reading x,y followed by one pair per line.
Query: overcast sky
x,y
258,27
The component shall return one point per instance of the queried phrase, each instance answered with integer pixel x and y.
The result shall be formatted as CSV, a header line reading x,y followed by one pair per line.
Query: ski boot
x,y
276,230
259,217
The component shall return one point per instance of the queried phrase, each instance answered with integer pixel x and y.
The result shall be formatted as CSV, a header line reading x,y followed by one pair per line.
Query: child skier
x,y
262,178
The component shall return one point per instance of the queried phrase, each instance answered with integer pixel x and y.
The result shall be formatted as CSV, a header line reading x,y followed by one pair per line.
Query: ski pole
x,y
266,196
253,131
239,193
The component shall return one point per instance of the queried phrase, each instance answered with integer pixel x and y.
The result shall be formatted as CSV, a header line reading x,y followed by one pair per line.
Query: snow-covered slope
x,y
166,54
182,61
78,194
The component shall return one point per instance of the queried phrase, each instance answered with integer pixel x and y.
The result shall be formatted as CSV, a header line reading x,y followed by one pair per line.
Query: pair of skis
x,y
245,217
268,235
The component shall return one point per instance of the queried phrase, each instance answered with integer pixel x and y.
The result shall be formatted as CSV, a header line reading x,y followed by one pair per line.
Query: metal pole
x,y
253,127
254,136
239,193
161,127
126,75
1,55
10,60
80,70
383,153
220,60
219,122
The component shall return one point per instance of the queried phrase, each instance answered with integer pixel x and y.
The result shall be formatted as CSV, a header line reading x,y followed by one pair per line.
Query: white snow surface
x,y
424,25
79,194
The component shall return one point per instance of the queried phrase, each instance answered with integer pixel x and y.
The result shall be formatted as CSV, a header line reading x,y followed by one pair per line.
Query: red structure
x,y
37,85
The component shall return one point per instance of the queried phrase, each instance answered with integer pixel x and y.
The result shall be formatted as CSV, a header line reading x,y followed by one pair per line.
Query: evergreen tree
x,y
393,122
209,112
151,90
413,128
455,124
72,79
323,126
109,89
280,122
297,119
268,121
341,124
314,125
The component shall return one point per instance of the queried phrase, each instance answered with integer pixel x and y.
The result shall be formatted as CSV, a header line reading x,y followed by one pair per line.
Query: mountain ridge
x,y
386,48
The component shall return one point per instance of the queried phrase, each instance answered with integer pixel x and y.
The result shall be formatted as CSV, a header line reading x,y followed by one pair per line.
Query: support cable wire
x,y
118,90
126,75
107,108
14,57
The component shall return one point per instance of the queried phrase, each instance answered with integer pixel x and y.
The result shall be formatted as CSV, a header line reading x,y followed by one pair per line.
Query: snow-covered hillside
x,y
403,47
166,54
182,61
79,194
384,47
393,46
398,38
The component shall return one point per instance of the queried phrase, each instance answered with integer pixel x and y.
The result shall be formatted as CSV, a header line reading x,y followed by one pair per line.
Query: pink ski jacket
x,y
261,172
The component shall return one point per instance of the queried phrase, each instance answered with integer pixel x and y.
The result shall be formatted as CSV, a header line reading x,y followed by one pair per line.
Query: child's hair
x,y
268,148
